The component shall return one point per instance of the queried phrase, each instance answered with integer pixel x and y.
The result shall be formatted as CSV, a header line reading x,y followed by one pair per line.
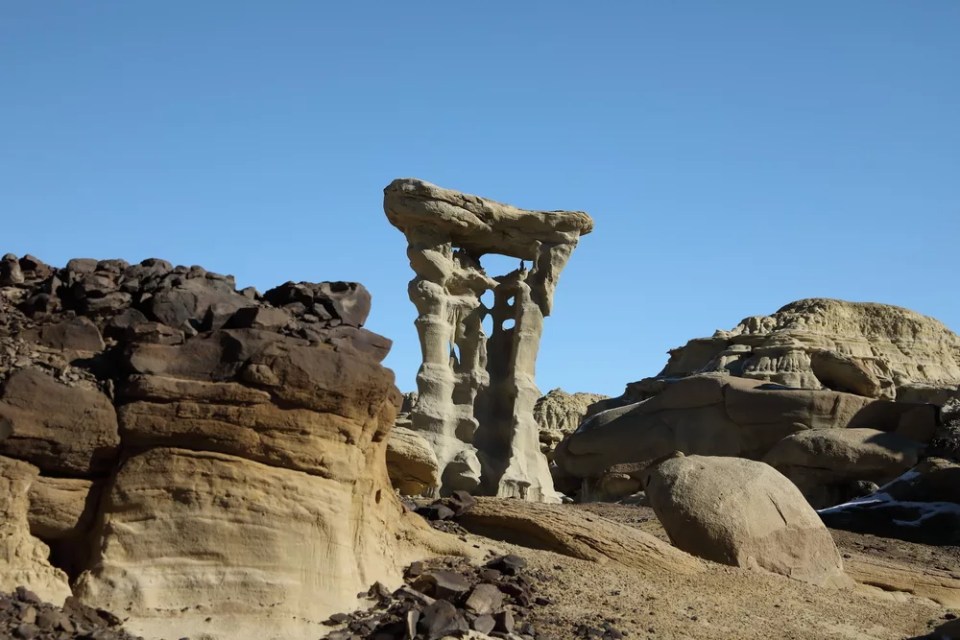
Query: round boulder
x,y
743,513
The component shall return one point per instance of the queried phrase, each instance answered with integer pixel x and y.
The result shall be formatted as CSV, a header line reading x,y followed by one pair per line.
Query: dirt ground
x,y
726,602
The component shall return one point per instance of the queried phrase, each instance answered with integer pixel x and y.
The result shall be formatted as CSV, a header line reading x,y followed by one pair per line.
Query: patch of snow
x,y
872,499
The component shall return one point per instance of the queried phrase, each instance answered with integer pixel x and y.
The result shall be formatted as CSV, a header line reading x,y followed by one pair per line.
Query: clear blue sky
x,y
734,155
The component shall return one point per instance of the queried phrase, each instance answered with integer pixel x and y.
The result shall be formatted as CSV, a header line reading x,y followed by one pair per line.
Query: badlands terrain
x,y
183,459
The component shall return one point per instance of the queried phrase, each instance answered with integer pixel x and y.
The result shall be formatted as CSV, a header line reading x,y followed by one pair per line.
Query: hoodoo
x,y
477,391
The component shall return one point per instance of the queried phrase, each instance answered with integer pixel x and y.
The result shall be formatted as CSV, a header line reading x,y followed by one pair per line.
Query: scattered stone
x,y
436,511
442,584
503,621
509,564
448,597
461,502
25,616
442,619
485,598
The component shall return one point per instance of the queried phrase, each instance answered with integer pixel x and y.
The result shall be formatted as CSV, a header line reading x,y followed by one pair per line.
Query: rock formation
x,y
559,413
411,462
715,415
824,463
922,505
743,513
187,450
814,364
477,391
874,350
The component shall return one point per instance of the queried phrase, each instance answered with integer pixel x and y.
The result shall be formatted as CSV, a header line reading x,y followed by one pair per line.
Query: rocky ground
x,y
562,597
543,595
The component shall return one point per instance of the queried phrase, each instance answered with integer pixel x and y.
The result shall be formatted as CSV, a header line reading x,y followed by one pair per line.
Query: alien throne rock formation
x,y
477,391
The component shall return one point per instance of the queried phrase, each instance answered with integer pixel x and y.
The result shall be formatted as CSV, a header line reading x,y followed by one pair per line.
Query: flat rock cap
x,y
476,224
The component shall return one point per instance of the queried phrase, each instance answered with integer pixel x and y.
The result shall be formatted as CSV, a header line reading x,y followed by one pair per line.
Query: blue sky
x,y
734,155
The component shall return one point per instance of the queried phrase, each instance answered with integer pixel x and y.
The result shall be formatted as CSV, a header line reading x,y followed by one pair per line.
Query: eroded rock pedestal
x,y
476,387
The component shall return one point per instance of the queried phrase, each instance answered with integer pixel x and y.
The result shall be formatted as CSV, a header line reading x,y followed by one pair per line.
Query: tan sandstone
x,y
872,349
24,558
743,513
477,391
411,462
815,460
559,413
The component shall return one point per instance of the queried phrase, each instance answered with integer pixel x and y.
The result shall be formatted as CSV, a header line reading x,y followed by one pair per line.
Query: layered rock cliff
x,y
779,388
187,450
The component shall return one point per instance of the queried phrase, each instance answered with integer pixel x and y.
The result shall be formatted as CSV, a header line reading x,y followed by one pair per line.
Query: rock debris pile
x,y
450,598
24,616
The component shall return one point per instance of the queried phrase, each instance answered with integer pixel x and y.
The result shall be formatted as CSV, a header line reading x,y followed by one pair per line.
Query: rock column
x,y
477,391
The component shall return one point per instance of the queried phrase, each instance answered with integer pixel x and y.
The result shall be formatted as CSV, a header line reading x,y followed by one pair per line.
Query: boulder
x,y
845,373
743,513
72,335
411,462
823,463
23,558
67,430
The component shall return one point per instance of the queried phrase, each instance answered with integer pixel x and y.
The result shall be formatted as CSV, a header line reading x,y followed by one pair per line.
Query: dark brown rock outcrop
x,y
163,430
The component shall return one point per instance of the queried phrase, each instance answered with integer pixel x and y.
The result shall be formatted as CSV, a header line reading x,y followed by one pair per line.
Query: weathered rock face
x,y
199,452
559,413
922,505
63,429
477,391
715,415
814,364
743,513
23,558
411,462
824,463
869,349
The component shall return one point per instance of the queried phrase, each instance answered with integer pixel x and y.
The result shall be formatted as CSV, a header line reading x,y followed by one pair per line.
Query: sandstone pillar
x,y
477,391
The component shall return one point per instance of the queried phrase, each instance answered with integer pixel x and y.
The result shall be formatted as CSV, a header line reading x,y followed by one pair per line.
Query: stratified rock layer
x,y
815,364
193,452
477,391
869,349
559,413
23,558
719,415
